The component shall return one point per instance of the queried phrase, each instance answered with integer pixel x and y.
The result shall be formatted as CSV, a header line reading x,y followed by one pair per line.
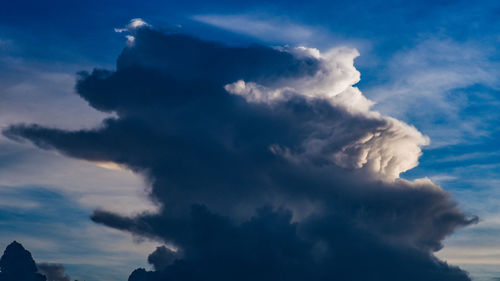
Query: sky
x,y
288,140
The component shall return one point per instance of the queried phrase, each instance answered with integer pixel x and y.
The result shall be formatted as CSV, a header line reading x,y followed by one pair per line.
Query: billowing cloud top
x,y
268,164
383,151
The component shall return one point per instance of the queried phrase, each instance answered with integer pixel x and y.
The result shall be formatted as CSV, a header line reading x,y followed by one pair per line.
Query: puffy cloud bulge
x,y
385,151
267,163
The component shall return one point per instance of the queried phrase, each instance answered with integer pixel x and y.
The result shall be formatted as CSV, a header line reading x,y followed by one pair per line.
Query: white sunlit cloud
x,y
132,28
386,153
133,25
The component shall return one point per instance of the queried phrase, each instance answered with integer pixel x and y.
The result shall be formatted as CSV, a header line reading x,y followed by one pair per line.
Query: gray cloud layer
x,y
267,163
53,271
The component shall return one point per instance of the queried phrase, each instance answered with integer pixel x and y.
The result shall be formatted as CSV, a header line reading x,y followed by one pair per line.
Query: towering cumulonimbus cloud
x,y
267,164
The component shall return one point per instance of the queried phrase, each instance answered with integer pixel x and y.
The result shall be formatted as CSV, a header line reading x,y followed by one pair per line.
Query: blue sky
x,y
432,64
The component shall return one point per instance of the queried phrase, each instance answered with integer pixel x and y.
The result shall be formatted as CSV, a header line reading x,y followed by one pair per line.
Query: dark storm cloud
x,y
270,247
162,257
258,190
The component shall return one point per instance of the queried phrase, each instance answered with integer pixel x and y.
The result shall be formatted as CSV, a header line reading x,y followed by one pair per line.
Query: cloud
x,y
291,178
64,234
437,84
269,247
478,245
132,27
53,272
260,27
47,97
163,257
10,199
25,167
387,152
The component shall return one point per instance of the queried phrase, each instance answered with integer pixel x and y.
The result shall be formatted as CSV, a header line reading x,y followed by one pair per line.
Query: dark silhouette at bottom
x,y
17,264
